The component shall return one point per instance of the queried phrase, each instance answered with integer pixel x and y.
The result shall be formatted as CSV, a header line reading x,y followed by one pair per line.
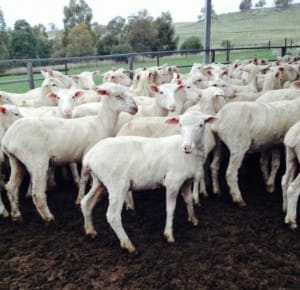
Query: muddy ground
x,y
232,248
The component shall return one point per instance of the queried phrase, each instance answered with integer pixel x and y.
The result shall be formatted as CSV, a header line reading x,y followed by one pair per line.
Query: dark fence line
x,y
30,63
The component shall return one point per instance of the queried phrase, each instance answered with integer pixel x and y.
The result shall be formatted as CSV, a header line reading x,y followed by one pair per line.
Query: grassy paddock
x,y
184,62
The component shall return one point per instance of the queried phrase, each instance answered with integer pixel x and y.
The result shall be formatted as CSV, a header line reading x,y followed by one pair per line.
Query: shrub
x,y
192,42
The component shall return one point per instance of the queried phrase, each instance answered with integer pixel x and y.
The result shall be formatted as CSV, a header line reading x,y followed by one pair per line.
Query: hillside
x,y
257,26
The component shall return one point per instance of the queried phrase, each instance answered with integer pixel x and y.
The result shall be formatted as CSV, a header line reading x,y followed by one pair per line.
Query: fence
x,y
31,65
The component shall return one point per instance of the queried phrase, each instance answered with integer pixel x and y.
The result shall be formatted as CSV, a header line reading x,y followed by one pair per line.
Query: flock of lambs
x,y
161,128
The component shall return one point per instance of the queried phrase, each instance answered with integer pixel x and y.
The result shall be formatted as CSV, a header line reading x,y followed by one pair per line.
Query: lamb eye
x,y
119,97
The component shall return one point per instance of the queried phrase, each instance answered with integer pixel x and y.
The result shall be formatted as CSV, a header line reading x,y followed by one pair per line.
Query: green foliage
x,y
80,41
4,39
245,5
282,4
44,45
139,32
260,4
58,50
116,25
23,41
121,49
77,12
165,38
193,42
106,43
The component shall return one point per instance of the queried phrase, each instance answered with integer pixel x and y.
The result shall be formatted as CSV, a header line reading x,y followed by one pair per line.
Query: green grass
x,y
184,62
257,26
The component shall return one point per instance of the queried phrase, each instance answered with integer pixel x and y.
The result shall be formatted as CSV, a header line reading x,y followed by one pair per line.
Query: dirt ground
x,y
232,248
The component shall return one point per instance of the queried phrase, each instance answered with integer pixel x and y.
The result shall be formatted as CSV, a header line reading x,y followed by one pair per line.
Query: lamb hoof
x,y
17,219
129,247
92,234
77,202
131,212
241,203
197,203
217,193
204,194
270,188
4,213
169,238
291,224
194,221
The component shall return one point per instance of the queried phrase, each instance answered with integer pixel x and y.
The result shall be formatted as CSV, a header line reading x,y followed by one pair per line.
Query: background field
x,y
254,27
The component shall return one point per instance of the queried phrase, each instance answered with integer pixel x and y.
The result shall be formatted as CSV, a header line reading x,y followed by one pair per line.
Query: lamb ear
x,y
2,110
296,85
78,94
172,120
52,95
96,73
180,86
75,77
154,88
101,91
210,119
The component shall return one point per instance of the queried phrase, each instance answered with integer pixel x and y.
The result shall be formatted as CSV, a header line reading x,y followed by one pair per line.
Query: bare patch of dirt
x,y
232,248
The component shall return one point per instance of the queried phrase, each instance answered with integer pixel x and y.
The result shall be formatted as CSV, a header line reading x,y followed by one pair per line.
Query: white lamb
x,y
290,181
210,103
250,127
8,115
144,163
35,97
39,142
85,80
66,81
118,76
65,100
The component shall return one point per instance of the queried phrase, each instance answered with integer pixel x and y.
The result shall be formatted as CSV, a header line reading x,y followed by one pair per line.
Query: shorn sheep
x,y
125,163
8,115
40,142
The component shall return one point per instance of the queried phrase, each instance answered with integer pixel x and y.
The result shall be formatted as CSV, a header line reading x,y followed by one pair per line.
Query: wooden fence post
x,y
283,49
30,74
130,65
227,51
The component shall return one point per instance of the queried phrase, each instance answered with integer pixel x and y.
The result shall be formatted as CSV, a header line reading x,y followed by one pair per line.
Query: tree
x,y
107,43
192,42
23,41
80,41
282,4
58,49
116,25
121,49
139,32
4,38
77,12
260,4
201,17
245,5
44,45
165,38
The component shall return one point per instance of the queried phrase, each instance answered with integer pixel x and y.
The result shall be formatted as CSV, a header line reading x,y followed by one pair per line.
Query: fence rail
x,y
65,62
